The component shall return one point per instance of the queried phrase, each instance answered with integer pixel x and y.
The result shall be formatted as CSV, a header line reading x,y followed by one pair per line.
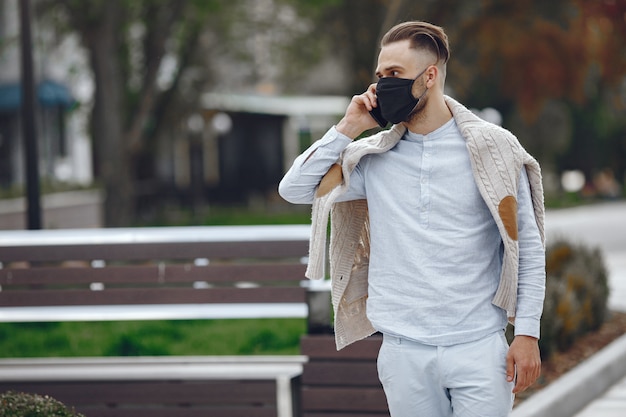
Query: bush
x,y
19,404
576,295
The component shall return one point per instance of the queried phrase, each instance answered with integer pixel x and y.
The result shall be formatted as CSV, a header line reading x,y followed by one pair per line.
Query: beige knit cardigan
x,y
496,159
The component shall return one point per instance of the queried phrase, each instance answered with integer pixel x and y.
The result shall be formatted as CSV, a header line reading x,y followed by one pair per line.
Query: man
x,y
436,236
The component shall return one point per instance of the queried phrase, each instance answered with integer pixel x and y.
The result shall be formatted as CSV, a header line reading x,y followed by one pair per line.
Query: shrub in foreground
x,y
19,404
576,295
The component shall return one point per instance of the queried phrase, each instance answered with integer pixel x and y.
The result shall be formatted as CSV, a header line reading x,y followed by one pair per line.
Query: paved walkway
x,y
597,387
611,404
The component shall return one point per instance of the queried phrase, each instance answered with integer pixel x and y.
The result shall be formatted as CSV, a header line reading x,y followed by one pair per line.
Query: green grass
x,y
148,338
229,216
241,216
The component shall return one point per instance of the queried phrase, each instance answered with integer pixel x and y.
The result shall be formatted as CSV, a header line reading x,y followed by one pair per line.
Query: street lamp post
x,y
28,115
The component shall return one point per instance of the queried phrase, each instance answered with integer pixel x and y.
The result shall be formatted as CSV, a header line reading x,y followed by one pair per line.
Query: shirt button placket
x,y
425,181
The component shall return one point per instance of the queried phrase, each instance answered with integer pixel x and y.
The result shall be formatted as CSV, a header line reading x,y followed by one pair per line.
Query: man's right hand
x,y
357,118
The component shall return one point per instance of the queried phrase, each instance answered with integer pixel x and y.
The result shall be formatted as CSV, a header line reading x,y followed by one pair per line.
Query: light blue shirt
x,y
436,253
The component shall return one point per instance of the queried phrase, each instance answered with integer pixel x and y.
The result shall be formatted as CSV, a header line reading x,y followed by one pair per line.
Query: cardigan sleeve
x,y
531,272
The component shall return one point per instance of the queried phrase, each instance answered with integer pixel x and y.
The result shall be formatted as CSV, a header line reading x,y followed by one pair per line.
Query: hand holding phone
x,y
358,118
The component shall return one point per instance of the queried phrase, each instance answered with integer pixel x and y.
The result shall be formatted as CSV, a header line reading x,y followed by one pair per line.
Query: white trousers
x,y
464,380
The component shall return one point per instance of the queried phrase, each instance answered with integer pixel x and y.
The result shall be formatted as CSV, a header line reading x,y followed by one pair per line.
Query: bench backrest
x,y
341,383
251,264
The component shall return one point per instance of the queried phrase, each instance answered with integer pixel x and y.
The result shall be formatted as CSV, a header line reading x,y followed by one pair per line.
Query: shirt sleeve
x,y
299,183
532,265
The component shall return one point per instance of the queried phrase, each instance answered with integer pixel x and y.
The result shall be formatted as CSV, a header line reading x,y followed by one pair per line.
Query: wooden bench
x,y
160,274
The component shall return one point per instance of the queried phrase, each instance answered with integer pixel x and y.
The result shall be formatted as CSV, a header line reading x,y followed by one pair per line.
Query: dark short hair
x,y
422,35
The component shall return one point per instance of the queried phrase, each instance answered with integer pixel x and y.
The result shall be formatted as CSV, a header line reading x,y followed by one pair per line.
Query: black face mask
x,y
395,98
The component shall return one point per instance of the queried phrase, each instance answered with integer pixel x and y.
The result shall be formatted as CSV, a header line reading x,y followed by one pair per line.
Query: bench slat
x,y
138,250
338,399
127,274
157,392
120,296
323,347
341,373
154,312
187,412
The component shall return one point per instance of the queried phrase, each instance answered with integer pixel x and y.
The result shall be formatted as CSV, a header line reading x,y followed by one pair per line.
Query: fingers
x,y
370,93
527,374
367,99
510,368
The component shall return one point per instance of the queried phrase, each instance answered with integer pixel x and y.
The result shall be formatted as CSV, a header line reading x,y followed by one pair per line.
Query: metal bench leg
x,y
284,404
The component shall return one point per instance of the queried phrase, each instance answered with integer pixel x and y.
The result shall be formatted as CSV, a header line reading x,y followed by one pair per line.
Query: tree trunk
x,y
112,157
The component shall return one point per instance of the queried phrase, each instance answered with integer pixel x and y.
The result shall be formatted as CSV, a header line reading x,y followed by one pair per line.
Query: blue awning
x,y
50,93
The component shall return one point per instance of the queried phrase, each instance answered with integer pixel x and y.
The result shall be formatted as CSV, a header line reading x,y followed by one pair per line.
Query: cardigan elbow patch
x,y
508,213
333,178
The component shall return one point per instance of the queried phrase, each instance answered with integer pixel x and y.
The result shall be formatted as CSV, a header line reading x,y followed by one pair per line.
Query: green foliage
x,y
17,404
149,338
576,295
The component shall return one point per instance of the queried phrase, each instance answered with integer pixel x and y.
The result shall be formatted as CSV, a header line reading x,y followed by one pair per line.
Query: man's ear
x,y
333,178
433,74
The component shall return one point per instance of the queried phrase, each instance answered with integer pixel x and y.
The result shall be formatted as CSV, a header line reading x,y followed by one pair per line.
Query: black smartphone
x,y
378,116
